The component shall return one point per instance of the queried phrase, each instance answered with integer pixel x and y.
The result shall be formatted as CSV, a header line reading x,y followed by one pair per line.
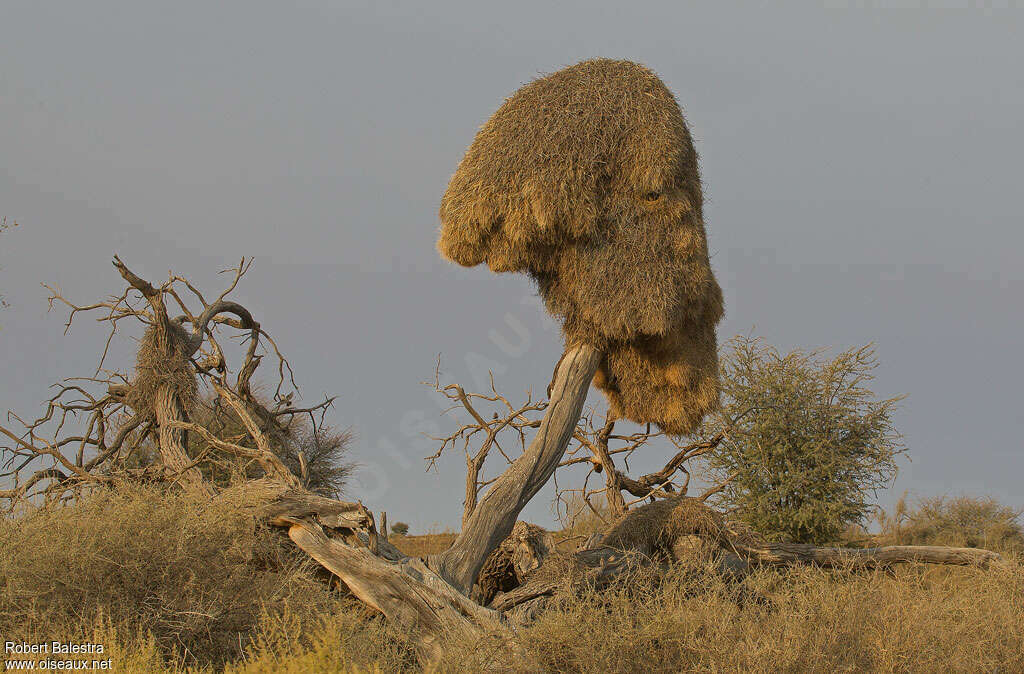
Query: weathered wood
x,y
596,567
512,561
168,407
614,479
794,553
430,600
409,594
688,523
170,412
295,505
492,520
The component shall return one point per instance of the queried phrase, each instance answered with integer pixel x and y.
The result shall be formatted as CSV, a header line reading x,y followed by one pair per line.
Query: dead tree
x,y
115,414
594,450
510,418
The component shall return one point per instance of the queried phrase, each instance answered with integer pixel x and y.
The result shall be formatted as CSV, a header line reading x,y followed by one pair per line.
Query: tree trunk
x,y
661,526
406,592
472,476
173,438
492,520
613,478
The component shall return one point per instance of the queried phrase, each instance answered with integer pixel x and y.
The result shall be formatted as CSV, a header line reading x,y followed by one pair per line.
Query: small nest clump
x,y
656,528
587,180
161,362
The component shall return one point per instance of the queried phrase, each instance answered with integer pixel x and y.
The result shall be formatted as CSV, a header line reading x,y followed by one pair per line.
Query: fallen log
x,y
664,527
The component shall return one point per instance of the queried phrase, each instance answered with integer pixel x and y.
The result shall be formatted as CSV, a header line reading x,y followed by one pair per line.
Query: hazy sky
x,y
862,169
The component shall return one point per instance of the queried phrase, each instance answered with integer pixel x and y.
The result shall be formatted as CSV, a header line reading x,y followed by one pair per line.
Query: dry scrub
x,y
194,575
913,619
961,521
421,546
171,583
804,619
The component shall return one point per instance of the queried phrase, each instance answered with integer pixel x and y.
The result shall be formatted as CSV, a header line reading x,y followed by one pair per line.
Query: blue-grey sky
x,y
862,168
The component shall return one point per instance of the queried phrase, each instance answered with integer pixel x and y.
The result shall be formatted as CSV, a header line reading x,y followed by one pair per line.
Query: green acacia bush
x,y
807,442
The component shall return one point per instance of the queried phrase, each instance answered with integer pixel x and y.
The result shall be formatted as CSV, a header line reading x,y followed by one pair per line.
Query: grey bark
x,y
492,520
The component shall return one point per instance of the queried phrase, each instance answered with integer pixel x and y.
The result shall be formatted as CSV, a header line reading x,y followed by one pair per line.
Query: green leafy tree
x,y
400,529
807,442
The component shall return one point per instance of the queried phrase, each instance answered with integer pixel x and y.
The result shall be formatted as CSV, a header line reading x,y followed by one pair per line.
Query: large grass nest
x,y
587,180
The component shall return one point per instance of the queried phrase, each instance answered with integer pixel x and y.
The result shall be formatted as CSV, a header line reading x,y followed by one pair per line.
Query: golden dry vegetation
x,y
421,546
171,583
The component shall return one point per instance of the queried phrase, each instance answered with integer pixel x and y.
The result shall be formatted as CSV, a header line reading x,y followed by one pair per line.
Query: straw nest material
x,y
657,528
587,180
159,364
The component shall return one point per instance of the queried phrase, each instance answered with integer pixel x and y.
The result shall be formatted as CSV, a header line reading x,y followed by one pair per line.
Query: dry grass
x,y
195,577
913,619
653,527
587,180
170,584
421,546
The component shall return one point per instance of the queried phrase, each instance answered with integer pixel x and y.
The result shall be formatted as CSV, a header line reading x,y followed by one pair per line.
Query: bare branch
x,y
494,517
